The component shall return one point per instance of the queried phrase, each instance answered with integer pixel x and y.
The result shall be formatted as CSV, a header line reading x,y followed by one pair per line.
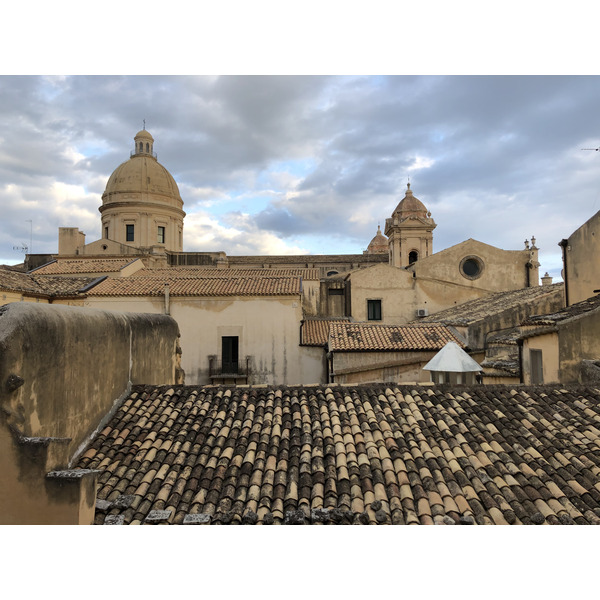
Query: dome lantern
x,y
143,144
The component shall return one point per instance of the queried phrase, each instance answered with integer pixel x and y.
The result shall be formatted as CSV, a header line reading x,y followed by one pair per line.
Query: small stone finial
x,y
532,242
527,244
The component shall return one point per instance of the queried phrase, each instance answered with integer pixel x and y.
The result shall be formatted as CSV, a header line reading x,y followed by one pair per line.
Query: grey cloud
x,y
504,150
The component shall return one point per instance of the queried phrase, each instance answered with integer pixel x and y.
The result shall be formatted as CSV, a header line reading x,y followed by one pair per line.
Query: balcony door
x,y
230,353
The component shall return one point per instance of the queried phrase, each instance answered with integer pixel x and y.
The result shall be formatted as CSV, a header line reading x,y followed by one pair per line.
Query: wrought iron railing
x,y
220,368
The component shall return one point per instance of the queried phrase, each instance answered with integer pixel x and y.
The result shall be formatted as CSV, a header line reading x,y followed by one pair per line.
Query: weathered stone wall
x,y
370,367
548,345
582,252
478,332
578,341
501,270
62,369
267,327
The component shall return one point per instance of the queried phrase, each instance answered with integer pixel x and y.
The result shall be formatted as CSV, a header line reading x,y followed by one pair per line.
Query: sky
x,y
307,164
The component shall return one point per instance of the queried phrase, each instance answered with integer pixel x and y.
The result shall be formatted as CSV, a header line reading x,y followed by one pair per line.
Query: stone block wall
x,y
62,371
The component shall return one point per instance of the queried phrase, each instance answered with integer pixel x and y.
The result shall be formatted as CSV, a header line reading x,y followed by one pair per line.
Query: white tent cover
x,y
454,359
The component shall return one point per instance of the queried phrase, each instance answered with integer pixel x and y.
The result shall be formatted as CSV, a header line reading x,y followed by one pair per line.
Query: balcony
x,y
229,372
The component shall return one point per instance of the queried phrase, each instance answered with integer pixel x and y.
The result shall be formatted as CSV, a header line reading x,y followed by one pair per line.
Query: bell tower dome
x,y
141,205
410,231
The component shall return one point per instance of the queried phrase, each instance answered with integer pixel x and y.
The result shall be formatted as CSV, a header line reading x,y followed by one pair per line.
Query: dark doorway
x,y
230,353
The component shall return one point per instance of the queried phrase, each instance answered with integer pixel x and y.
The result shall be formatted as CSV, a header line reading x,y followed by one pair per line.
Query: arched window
x,y
147,147
413,256
141,146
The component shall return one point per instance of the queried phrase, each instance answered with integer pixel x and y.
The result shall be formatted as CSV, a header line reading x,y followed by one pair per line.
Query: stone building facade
x,y
397,279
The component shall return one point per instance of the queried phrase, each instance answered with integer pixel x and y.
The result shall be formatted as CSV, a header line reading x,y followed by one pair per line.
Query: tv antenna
x,y
24,247
30,221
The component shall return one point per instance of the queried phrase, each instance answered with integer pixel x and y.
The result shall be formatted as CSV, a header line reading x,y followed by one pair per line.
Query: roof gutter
x,y
564,244
94,283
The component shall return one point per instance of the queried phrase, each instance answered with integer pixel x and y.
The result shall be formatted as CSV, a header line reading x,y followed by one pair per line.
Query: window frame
x,y
536,366
374,309
471,258
129,232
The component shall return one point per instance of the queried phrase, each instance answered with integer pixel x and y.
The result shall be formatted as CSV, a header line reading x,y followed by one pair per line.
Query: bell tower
x,y
410,231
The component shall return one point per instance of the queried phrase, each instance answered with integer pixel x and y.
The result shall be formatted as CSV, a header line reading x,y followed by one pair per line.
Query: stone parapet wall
x,y
62,371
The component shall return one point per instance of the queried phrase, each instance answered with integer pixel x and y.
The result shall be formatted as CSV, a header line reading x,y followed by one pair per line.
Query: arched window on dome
x,y
413,257
147,147
141,146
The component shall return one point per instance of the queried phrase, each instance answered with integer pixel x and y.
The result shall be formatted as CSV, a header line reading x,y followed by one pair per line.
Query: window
x,y
230,354
471,267
106,233
147,147
413,256
129,236
537,366
161,235
374,310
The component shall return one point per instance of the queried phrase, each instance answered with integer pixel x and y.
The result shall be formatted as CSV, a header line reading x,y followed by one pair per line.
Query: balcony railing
x,y
219,369
133,153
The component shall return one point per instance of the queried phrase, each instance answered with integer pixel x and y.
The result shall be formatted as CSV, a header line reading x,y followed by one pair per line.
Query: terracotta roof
x,y
480,308
308,259
315,332
42,285
574,310
363,336
306,274
83,265
357,454
198,286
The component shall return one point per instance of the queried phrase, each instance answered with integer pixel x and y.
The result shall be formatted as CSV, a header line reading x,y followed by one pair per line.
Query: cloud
x,y
312,163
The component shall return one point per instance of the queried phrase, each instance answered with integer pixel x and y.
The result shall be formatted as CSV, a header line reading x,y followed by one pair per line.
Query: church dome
x,y
142,177
141,204
379,244
144,134
410,206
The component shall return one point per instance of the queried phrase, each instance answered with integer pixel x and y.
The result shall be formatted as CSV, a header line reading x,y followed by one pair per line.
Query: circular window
x,y
471,267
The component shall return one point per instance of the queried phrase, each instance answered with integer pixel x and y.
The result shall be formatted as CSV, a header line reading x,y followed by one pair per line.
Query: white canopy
x,y
452,358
